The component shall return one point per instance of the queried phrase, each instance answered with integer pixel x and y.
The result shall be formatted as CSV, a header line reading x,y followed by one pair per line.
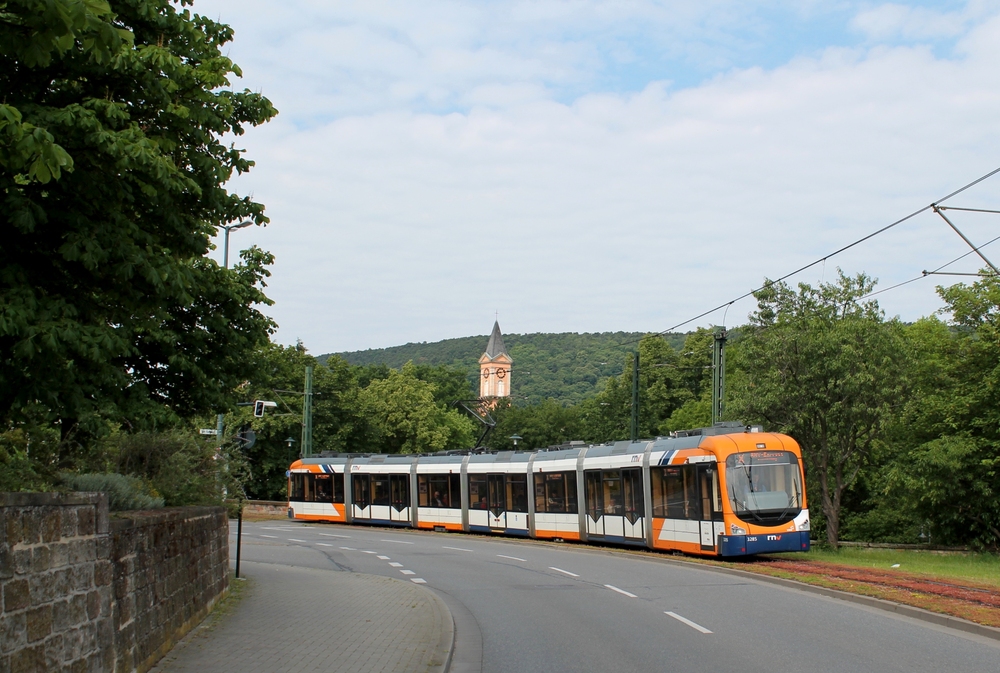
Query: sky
x,y
586,166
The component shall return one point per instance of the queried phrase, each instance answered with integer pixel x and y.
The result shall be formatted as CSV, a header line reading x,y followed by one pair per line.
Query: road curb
x,y
446,640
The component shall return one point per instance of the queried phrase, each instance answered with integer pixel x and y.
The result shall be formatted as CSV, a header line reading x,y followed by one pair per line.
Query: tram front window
x,y
764,487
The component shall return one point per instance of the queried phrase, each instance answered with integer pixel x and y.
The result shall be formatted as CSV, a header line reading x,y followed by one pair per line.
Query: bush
x,y
124,493
180,466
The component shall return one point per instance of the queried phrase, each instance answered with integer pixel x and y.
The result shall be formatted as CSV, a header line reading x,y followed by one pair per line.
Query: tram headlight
x,y
804,526
736,530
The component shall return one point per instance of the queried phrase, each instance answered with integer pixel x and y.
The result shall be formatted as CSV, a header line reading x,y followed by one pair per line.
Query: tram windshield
x,y
765,487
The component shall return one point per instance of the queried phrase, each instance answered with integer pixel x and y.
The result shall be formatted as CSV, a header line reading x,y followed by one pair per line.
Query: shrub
x,y
124,493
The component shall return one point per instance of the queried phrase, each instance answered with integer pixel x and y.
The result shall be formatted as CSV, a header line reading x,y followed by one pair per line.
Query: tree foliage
x,y
950,472
112,169
823,365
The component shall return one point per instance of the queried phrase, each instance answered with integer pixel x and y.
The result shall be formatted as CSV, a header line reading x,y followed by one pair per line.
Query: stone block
x,y
61,616
11,525
13,632
59,555
41,588
103,573
30,526
93,605
86,521
50,524
68,520
40,558
21,561
16,595
28,660
39,622
54,653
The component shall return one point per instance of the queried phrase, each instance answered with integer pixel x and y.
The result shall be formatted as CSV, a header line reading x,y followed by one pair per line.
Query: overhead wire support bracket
x,y
938,209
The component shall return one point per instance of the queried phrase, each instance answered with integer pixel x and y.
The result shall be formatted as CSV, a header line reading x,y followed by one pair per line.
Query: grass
x,y
979,568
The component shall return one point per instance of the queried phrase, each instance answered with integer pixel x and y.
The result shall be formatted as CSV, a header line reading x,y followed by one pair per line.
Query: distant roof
x,y
495,347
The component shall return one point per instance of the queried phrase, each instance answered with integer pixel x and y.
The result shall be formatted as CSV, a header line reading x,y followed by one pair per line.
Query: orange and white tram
x,y
728,490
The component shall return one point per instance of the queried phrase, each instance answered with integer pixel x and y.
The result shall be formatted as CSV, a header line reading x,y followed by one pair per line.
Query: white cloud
x,y
396,221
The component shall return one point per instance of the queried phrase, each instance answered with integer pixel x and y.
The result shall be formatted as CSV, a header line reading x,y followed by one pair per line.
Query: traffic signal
x,y
258,408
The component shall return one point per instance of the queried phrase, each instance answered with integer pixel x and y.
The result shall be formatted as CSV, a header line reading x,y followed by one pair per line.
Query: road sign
x,y
209,431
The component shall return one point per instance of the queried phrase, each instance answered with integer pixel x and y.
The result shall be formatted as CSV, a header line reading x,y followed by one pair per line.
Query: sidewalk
x,y
294,619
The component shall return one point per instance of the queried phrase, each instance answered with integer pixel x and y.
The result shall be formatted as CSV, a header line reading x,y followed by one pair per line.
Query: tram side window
x,y
613,503
399,485
477,491
517,493
324,488
439,490
632,492
380,489
555,492
360,488
338,487
675,493
297,490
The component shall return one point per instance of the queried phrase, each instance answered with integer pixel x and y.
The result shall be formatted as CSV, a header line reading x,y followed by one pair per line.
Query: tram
x,y
727,490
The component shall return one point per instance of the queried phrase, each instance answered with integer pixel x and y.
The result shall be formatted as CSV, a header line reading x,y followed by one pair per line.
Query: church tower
x,y
494,367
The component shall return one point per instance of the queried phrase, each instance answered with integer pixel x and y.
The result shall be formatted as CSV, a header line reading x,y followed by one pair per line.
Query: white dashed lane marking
x,y
323,544
273,537
513,558
418,580
407,572
621,591
457,549
383,558
349,548
696,627
396,541
564,572
396,565
333,535
292,539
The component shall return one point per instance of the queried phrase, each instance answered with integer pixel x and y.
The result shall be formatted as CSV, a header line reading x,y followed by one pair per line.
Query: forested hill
x,y
567,367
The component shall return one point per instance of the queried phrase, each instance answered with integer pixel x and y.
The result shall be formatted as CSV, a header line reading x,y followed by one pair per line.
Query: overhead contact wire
x,y
884,229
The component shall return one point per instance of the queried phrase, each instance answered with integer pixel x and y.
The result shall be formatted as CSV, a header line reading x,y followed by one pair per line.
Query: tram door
x,y
615,504
710,506
595,502
399,497
496,501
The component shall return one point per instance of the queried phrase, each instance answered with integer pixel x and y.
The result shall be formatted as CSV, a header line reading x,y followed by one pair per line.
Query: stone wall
x,y
82,591
171,566
56,579
268,508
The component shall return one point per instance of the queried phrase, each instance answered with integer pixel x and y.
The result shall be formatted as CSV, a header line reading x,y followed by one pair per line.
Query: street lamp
x,y
225,248
288,456
515,438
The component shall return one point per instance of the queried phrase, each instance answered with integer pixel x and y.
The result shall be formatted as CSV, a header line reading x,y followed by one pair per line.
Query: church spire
x,y
495,346
494,366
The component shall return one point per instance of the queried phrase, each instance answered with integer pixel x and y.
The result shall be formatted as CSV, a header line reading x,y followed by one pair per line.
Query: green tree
x,y
112,168
823,365
949,468
664,386
406,419
538,425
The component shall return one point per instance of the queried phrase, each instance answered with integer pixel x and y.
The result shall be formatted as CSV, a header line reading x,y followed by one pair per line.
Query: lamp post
x,y
225,247
515,438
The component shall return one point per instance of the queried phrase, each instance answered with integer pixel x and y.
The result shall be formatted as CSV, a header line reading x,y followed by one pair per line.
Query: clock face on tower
x,y
501,373
486,373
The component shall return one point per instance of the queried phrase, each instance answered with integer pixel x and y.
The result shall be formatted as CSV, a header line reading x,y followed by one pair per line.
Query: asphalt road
x,y
522,607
